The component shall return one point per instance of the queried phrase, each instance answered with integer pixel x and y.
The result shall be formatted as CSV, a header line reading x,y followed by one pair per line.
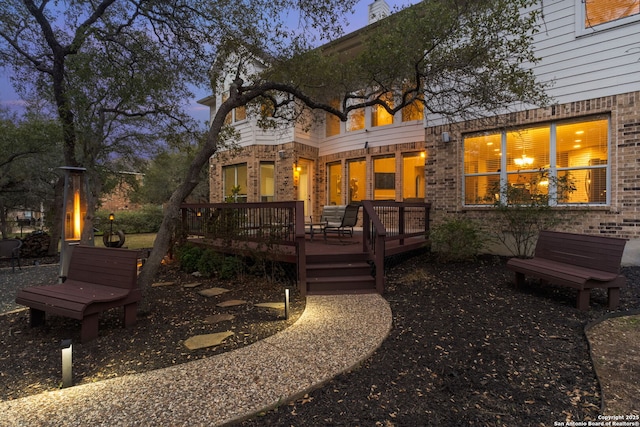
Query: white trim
x,y
581,30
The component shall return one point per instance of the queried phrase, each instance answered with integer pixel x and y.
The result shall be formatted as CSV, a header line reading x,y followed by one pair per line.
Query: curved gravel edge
x,y
334,334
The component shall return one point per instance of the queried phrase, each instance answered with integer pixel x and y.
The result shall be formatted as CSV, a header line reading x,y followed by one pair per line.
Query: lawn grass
x,y
139,241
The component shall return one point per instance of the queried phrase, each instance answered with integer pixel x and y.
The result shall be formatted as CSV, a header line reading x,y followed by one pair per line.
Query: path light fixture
x,y
74,213
67,363
286,304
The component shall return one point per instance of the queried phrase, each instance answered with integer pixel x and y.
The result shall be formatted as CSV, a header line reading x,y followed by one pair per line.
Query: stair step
x,y
341,284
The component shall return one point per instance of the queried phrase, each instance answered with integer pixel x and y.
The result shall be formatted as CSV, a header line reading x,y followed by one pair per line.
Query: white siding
x,y
585,65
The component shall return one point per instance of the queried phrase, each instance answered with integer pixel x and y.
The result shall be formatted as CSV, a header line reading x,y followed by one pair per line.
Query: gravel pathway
x,y
333,335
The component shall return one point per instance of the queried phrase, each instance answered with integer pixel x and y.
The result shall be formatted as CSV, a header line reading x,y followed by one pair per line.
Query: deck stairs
x,y
339,274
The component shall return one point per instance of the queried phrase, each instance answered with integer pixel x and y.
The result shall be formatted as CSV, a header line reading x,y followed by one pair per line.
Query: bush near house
x,y
456,240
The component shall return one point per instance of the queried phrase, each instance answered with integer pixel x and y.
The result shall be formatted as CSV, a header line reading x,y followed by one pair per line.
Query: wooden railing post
x,y
300,247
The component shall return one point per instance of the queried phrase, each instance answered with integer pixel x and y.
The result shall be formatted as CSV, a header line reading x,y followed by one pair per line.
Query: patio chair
x,y
349,220
10,248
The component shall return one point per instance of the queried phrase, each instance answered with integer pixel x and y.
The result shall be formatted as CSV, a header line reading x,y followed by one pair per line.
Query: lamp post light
x,y
74,213
67,363
111,218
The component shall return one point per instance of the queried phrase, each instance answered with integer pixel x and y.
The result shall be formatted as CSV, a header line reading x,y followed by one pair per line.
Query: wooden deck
x,y
335,264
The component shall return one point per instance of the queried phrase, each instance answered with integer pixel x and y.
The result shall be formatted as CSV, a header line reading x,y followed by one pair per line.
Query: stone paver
x,y
206,340
213,292
231,303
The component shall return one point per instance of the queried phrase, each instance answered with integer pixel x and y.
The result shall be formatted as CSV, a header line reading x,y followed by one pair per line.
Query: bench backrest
x,y
9,247
333,214
584,250
104,266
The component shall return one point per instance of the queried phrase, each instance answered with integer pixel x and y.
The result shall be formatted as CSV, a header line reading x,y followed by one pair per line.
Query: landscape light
x,y
67,363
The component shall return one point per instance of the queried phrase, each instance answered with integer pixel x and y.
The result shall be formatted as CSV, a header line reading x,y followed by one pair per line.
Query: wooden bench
x,y
577,261
98,279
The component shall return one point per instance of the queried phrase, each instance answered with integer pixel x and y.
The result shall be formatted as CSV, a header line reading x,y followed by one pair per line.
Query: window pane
x,y
601,11
235,178
332,123
380,116
384,178
482,189
413,176
528,149
240,113
482,154
526,188
267,182
335,183
355,120
357,179
582,144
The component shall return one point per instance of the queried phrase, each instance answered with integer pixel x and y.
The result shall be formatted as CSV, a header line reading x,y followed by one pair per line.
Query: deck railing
x,y
386,221
282,223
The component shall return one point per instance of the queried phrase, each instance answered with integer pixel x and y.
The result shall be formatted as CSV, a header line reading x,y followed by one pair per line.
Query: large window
x,y
235,182
413,176
566,163
384,178
334,172
599,12
357,170
267,181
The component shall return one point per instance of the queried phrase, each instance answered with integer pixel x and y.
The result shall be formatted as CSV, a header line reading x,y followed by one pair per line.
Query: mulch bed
x,y
465,349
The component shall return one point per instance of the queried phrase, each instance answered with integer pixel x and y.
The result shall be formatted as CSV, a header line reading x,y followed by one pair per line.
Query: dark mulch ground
x,y
465,349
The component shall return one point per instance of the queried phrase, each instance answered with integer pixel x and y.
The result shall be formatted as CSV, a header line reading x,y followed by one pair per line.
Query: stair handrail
x,y
373,241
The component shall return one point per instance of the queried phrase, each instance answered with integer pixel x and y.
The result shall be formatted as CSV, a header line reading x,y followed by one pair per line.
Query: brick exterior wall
x,y
621,219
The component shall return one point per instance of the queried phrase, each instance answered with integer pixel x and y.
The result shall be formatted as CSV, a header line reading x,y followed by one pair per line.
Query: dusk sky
x,y
8,97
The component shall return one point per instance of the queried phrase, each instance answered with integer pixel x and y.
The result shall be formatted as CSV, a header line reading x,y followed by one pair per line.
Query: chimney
x,y
377,10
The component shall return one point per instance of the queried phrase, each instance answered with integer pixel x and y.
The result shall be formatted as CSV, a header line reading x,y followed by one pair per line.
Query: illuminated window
x,y
597,12
332,123
235,182
355,120
563,163
380,116
413,176
267,182
357,170
384,178
413,111
238,114
334,172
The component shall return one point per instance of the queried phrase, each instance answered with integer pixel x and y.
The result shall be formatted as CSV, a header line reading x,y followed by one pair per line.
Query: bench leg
x,y
130,313
36,317
89,328
519,279
614,298
582,302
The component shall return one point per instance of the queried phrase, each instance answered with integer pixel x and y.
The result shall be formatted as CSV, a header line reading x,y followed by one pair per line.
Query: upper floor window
x,y
380,116
238,114
415,110
563,163
355,120
332,122
600,12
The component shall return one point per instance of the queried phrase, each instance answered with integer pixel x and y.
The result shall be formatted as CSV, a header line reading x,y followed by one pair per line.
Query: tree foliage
x,y
28,164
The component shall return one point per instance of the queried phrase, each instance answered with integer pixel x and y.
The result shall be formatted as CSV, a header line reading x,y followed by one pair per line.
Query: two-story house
x,y
590,56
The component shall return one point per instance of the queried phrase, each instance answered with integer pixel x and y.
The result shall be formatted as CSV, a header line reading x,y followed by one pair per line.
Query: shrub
x,y
144,220
189,257
209,263
456,240
231,267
